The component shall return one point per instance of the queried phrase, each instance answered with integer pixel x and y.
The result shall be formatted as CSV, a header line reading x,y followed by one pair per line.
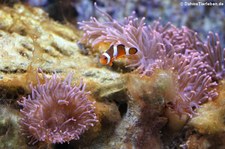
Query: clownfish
x,y
116,51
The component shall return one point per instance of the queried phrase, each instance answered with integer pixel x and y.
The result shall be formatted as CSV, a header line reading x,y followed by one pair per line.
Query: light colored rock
x,y
9,132
30,40
210,117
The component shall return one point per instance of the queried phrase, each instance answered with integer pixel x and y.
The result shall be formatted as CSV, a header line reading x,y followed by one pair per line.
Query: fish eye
x,y
105,58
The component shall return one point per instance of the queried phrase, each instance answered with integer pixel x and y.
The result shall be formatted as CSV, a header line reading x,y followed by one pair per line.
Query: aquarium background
x,y
179,12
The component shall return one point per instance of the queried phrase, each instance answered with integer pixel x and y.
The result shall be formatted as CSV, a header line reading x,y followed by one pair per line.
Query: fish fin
x,y
133,50
120,45
111,62
121,56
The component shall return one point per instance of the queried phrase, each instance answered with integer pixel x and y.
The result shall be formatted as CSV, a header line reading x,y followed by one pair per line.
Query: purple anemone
x,y
194,83
215,54
56,111
164,47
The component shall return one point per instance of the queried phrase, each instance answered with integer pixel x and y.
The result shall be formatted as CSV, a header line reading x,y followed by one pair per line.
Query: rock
x,y
209,118
30,40
9,132
196,141
141,124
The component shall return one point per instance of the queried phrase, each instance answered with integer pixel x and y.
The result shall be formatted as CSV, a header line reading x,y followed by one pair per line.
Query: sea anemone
x,y
161,47
194,84
132,32
56,111
215,54
128,32
183,39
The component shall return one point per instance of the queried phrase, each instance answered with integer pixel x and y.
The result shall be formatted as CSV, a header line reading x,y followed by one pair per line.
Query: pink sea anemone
x,y
194,85
132,32
56,111
163,47
215,54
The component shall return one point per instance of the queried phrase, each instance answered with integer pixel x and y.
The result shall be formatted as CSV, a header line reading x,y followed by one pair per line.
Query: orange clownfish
x,y
116,51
